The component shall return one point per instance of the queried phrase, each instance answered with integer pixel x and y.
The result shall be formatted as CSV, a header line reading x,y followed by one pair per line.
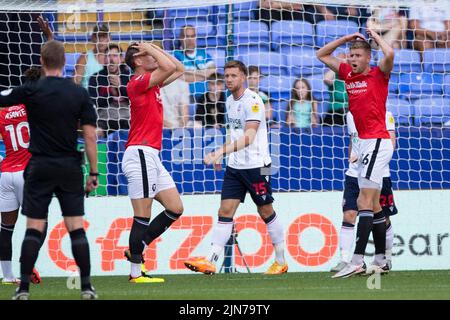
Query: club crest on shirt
x,y
255,108
391,119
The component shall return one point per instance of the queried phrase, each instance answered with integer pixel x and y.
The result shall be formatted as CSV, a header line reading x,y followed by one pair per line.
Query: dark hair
x,y
216,77
361,44
129,56
252,69
100,30
33,74
236,64
53,55
295,97
114,46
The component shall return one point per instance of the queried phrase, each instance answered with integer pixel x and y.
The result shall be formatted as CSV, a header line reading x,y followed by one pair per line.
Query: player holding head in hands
x,y
367,89
248,169
147,178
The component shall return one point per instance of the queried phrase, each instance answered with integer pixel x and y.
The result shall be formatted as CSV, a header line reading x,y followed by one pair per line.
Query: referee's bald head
x,y
53,55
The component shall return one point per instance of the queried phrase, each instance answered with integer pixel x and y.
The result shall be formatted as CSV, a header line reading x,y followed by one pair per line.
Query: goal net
x,y
305,106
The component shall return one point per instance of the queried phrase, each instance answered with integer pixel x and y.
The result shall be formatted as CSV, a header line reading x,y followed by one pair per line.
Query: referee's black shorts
x,y
236,183
45,176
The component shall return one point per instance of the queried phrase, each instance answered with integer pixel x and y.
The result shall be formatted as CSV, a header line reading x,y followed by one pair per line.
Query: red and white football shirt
x,y
367,95
146,111
16,137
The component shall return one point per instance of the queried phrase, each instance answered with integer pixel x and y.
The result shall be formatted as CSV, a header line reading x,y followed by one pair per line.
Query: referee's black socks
x,y
30,250
80,251
160,224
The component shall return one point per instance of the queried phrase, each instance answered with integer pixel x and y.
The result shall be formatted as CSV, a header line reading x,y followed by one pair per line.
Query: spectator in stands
x,y
350,13
198,64
338,98
430,22
279,10
391,24
254,76
302,109
108,88
211,105
92,61
175,100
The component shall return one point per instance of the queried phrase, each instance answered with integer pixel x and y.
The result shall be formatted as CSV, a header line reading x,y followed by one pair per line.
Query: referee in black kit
x,y
55,107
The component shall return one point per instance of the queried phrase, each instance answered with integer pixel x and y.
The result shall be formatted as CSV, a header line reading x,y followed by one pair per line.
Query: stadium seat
x,y
270,63
251,33
253,50
291,32
327,31
218,55
418,85
189,12
279,110
432,111
436,60
241,11
302,61
401,109
278,87
394,82
320,90
71,61
447,86
405,61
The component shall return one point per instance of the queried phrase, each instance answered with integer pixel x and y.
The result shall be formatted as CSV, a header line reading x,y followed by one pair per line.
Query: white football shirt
x,y
351,128
249,107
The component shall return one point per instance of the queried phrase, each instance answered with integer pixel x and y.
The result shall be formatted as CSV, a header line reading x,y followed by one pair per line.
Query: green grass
x,y
293,286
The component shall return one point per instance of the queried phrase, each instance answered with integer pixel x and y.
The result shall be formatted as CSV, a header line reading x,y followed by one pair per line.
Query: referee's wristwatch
x,y
94,174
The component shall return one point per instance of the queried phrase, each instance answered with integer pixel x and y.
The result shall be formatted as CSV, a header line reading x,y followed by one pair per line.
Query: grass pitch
x,y
291,286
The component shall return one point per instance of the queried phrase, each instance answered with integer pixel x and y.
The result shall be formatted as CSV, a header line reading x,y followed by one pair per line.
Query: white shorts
x,y
373,162
11,191
145,173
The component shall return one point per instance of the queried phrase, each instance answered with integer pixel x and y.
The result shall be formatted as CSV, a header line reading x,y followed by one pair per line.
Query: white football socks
x,y
346,239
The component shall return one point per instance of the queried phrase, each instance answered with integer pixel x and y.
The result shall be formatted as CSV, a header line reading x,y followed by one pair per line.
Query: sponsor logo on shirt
x,y
255,108
356,87
235,123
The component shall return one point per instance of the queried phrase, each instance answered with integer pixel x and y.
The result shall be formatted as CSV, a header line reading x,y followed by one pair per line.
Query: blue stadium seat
x,y
218,55
241,11
251,33
189,12
393,83
437,60
270,63
279,110
405,61
291,33
302,61
250,50
421,85
432,111
327,31
401,109
320,90
447,86
278,87
71,60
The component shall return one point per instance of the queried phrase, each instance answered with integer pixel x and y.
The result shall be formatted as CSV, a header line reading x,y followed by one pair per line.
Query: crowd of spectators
x,y
202,87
